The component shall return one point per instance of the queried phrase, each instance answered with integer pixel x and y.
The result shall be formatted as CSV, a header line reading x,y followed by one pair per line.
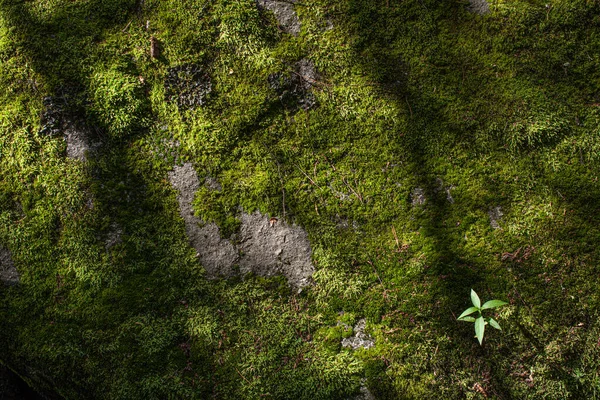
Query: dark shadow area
x,y
117,196
12,387
390,36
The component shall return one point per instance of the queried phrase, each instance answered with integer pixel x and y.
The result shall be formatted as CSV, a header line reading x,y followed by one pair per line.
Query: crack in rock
x,y
480,7
360,338
284,13
265,246
8,272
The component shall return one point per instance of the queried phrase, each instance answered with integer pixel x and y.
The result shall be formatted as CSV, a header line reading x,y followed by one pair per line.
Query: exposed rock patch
x,y
360,338
188,86
284,13
278,248
495,215
51,119
480,7
79,144
8,272
417,197
217,255
294,88
55,120
212,184
264,246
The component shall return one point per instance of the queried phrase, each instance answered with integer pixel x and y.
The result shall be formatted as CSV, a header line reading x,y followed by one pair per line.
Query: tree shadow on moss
x,y
60,45
408,52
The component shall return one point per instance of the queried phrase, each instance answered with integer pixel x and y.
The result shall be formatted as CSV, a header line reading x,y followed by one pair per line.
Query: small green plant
x,y
481,321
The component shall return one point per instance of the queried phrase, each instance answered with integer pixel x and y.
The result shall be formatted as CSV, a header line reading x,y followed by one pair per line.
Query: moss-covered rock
x,y
204,199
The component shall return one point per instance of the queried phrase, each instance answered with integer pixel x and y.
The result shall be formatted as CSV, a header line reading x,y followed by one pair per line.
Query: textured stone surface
x,y
264,247
79,143
55,120
364,394
360,338
278,249
113,237
8,272
441,187
480,7
285,13
217,255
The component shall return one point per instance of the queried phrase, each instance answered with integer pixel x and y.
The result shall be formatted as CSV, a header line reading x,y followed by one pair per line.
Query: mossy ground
x,y
502,109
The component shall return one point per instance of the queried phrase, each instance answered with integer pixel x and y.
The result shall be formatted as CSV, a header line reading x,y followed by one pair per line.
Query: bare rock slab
x,y
480,7
8,272
275,248
360,338
294,87
264,246
79,144
217,255
188,85
284,12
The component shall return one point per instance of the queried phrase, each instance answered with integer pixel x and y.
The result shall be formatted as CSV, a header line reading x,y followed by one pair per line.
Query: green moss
x,y
497,111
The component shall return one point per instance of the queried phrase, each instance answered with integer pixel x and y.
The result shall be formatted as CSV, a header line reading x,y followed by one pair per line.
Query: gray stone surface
x,y
284,12
212,184
263,247
360,338
79,143
8,272
217,255
480,7
495,215
279,249
294,86
188,85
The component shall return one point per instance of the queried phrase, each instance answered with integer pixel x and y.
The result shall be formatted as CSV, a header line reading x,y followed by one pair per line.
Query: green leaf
x,y
467,319
494,324
475,299
493,304
468,311
479,329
